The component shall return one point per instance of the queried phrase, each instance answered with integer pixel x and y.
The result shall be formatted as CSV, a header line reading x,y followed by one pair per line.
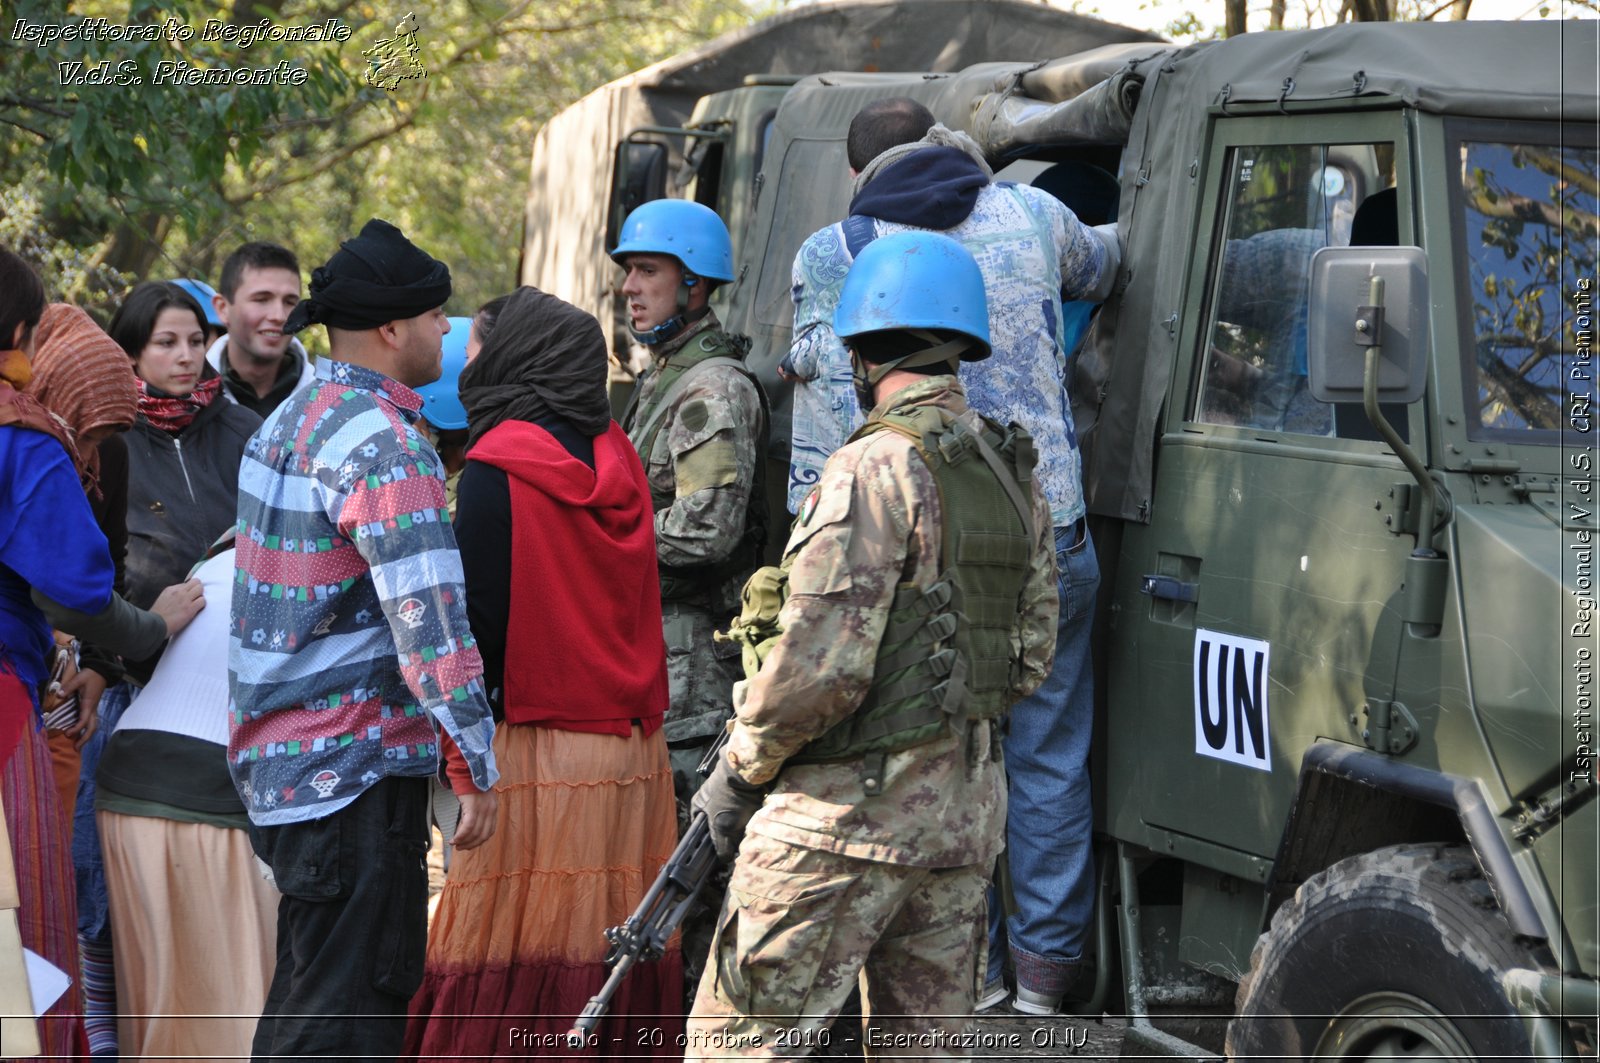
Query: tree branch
x,y
1521,208
323,165
1554,165
25,128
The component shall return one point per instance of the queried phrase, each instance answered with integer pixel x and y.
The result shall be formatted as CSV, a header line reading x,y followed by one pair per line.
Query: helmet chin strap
x,y
866,379
674,324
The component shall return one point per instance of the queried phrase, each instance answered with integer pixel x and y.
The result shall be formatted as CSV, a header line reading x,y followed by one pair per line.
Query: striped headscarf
x,y
83,376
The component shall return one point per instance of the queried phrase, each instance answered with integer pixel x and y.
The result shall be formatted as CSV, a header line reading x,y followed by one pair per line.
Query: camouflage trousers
x,y
800,926
700,677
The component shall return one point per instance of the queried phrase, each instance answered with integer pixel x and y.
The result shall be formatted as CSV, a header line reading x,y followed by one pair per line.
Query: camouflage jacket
x,y
702,464
875,521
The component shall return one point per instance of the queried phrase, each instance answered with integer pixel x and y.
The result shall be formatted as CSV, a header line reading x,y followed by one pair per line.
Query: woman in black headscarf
x,y
558,550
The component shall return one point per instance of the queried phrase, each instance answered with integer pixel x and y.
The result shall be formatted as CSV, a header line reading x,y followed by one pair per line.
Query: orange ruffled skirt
x,y
517,945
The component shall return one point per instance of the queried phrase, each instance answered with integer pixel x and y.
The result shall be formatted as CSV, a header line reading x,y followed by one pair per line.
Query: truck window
x,y
1528,219
705,172
1284,201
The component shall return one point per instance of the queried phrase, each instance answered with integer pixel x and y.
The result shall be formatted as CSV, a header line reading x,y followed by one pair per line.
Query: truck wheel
x,y
1389,954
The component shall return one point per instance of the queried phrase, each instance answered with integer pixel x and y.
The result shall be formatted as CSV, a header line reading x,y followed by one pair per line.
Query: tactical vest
x,y
644,424
950,652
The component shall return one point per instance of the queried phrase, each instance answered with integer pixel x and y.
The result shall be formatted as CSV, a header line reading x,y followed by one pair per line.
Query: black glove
x,y
728,803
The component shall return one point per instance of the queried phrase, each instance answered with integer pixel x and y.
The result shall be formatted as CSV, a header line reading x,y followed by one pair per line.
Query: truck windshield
x,y
1526,220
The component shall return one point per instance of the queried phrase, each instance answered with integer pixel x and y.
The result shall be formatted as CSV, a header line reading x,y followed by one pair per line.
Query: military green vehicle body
x,y
694,125
1297,684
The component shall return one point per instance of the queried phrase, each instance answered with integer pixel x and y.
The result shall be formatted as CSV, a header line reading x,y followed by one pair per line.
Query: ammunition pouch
x,y
756,629
919,687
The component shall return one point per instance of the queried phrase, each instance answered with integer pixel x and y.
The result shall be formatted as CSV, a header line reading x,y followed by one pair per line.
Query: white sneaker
x,y
1030,1003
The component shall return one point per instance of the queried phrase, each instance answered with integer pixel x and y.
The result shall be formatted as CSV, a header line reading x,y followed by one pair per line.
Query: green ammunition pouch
x,y
756,629
644,424
950,653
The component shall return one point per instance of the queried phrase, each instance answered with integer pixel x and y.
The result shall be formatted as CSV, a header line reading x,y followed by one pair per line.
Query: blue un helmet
x,y
203,293
688,232
920,286
441,400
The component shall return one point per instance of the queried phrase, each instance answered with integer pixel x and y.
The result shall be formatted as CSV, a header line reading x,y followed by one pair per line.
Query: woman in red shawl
x,y
558,550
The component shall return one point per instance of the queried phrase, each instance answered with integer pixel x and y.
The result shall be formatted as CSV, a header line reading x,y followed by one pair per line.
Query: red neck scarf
x,y
173,413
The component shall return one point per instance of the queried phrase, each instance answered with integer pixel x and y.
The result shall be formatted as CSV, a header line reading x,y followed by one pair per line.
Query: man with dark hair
x,y
881,125
260,363
1033,252
350,647
699,423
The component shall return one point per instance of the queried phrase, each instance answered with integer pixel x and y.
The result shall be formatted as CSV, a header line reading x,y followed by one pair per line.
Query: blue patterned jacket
x,y
1032,250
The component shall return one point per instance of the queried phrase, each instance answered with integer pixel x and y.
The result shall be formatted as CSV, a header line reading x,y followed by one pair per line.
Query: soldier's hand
x,y
728,803
478,814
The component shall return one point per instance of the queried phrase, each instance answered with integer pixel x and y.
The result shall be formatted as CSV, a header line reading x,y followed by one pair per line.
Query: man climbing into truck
x,y
911,173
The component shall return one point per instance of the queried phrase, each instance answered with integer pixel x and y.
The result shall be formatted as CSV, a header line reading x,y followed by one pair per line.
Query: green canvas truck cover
x,y
569,187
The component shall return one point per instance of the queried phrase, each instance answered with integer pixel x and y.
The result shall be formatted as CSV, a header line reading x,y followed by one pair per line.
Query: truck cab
x,y
1344,742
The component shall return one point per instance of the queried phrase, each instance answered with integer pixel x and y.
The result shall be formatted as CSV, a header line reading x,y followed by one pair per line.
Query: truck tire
x,y
1393,953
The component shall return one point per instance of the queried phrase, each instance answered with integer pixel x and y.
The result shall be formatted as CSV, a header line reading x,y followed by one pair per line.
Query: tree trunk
x,y
1459,9
1234,20
1371,10
136,243
1275,14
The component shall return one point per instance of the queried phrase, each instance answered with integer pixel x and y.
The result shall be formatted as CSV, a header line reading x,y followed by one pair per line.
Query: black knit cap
x,y
377,277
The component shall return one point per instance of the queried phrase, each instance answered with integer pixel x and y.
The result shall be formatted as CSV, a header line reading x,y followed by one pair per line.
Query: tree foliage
x,y
1532,231
1212,19
105,184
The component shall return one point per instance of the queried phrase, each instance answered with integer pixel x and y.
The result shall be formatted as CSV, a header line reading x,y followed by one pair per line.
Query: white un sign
x,y
1231,721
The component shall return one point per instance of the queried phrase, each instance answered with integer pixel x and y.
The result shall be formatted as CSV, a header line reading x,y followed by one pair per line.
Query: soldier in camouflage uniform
x,y
865,753
699,423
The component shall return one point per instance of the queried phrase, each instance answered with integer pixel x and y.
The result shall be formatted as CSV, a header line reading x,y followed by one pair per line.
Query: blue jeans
x,y
1048,818
94,914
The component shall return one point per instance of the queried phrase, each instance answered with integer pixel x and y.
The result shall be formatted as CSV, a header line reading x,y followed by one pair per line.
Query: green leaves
x,y
179,173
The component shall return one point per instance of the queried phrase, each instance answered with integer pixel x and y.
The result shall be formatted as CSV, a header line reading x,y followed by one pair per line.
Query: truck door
x,y
1265,613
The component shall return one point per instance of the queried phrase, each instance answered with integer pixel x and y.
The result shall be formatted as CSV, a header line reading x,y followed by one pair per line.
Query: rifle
x,y
644,936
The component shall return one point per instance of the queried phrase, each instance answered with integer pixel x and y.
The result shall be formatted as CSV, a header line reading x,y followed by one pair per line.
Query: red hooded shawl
x,y
584,650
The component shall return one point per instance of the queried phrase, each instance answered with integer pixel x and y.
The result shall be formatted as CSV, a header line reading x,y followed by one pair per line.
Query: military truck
x,y
696,124
1344,753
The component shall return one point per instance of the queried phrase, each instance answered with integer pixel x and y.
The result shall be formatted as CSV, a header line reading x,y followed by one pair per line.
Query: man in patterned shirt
x,y
349,645
913,174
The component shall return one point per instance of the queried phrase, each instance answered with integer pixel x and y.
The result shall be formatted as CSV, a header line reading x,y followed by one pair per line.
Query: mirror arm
x,y
1369,330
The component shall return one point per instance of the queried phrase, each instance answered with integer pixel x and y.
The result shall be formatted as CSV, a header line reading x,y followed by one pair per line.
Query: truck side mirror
x,y
1342,323
638,176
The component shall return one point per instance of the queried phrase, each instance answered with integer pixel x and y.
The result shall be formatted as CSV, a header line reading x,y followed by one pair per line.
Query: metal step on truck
x,y
1340,452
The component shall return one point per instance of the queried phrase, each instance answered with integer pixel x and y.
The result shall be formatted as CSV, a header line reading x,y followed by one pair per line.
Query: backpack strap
x,y
859,231
658,412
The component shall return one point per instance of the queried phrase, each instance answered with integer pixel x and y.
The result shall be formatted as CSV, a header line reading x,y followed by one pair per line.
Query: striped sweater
x,y
349,626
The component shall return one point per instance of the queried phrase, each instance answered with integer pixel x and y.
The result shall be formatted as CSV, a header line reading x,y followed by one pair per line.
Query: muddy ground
x,y
1002,1038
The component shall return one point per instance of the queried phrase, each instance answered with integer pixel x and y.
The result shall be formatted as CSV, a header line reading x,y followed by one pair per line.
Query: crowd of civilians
x,y
256,612
162,858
